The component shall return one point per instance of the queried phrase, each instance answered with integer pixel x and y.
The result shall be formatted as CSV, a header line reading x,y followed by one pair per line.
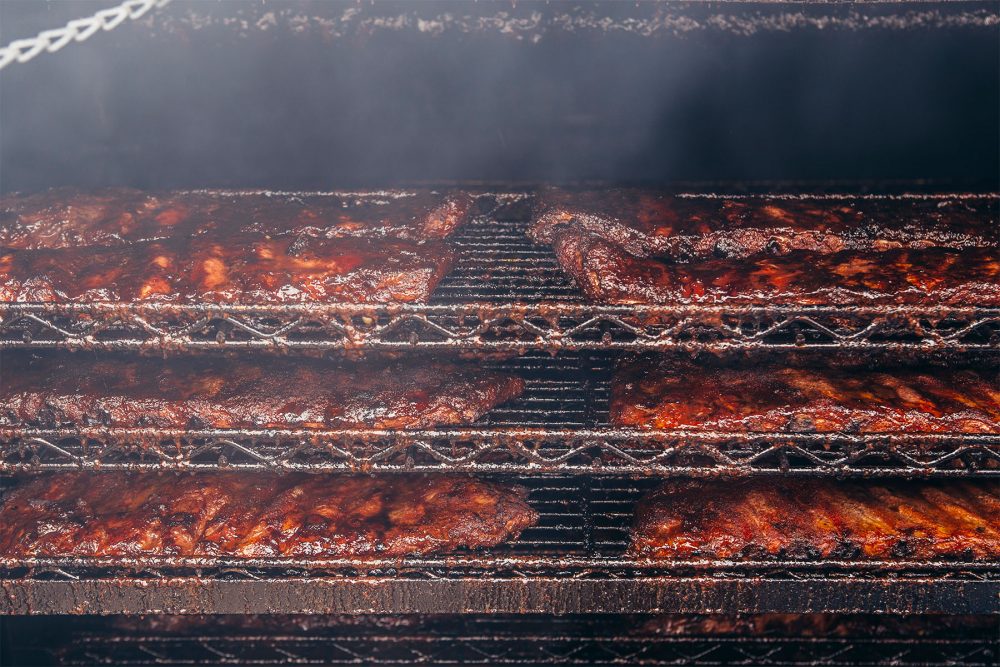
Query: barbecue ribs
x,y
648,223
819,519
934,276
69,218
243,269
814,253
248,515
219,393
669,393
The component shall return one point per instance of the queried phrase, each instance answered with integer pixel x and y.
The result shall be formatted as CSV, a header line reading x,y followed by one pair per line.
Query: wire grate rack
x,y
481,640
559,426
505,294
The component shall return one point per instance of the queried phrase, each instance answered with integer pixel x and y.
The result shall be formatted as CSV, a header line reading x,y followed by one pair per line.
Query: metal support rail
x,y
501,327
596,451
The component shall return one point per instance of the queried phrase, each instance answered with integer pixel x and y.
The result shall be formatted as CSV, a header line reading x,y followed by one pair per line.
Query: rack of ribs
x,y
948,257
248,515
671,393
809,519
647,223
247,269
69,218
289,393
929,277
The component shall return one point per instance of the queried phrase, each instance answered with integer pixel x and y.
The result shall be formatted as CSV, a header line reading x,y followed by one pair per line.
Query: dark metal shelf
x,y
481,640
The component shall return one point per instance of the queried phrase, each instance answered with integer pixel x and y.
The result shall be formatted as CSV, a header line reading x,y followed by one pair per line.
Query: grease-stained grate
x,y
505,294
483,640
558,426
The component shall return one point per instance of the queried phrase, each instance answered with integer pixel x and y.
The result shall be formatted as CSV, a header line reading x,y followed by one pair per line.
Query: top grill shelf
x,y
505,294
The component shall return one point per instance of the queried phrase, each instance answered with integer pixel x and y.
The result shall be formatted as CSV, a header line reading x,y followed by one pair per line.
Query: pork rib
x,y
250,515
193,392
799,519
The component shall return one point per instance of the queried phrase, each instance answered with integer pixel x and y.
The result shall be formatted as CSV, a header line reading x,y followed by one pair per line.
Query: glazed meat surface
x,y
807,519
195,392
638,247
648,223
248,515
669,393
69,218
933,276
243,269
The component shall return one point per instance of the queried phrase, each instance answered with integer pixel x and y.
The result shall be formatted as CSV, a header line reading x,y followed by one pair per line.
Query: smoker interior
x,y
883,98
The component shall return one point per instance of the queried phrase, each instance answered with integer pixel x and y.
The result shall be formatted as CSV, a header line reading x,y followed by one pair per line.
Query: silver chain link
x,y
50,41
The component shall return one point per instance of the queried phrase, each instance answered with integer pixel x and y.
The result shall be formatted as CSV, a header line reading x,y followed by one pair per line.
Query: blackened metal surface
x,y
489,640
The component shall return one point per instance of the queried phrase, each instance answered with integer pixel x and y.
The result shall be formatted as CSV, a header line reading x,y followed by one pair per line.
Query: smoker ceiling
x,y
313,95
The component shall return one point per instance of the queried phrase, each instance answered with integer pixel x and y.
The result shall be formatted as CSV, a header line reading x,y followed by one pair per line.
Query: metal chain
x,y
50,41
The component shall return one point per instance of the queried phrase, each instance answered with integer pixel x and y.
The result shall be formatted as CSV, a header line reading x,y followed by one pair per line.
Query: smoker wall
x,y
195,97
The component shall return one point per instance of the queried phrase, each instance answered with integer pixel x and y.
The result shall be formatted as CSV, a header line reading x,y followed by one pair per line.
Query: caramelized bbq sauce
x,y
640,247
671,393
803,519
932,277
649,223
250,515
69,218
187,392
241,269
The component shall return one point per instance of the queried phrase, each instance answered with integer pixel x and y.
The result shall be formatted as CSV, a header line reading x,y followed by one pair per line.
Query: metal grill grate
x,y
503,640
560,425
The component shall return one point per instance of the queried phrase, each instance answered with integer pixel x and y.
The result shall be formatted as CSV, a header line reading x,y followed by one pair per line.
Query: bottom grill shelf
x,y
504,640
574,561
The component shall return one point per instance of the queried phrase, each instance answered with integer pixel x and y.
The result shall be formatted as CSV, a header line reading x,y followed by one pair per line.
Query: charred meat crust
x,y
802,520
670,393
182,393
69,218
932,276
648,223
248,269
636,247
252,515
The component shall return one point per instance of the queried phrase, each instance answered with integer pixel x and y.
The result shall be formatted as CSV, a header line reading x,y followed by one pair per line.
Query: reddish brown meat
x,y
219,393
248,269
797,519
668,393
637,247
69,218
248,515
650,223
934,276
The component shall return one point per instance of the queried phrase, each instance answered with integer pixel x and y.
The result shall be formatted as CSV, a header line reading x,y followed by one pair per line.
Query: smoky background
x,y
312,95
